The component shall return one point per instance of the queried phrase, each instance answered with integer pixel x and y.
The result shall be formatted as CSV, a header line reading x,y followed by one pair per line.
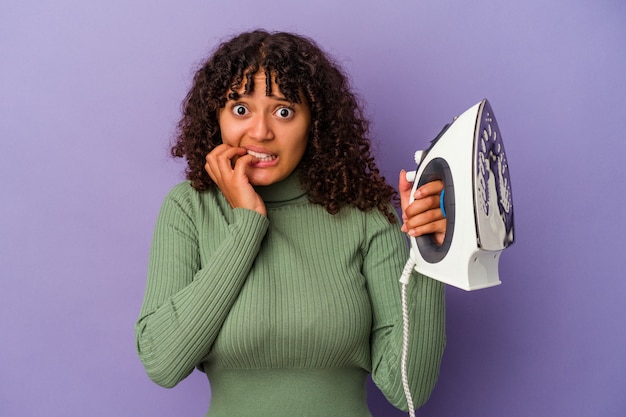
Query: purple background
x,y
89,95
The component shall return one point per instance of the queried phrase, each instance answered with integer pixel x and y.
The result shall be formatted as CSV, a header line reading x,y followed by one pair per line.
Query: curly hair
x,y
337,168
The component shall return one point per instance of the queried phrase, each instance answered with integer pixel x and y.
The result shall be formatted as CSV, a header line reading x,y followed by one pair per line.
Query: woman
x,y
275,267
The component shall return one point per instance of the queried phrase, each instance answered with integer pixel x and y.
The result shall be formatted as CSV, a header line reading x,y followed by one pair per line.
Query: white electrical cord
x,y
404,280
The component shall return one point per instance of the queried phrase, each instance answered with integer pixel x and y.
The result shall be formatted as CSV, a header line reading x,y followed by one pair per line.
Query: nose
x,y
261,128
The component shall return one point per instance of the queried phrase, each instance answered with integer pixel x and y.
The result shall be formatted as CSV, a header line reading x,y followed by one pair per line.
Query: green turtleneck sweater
x,y
286,314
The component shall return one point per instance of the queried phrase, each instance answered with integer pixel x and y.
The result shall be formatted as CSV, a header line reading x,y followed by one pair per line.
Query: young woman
x,y
274,268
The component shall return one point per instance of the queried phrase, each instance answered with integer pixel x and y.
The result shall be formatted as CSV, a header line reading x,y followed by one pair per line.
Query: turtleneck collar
x,y
282,192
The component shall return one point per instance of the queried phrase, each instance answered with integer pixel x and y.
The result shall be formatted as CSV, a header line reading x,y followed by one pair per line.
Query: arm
x,y
386,256
186,302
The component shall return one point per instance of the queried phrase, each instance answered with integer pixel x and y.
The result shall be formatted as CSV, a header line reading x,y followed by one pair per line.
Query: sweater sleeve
x,y
385,258
185,302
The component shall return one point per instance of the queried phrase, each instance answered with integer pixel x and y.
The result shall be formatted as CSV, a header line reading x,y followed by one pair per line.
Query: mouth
x,y
262,157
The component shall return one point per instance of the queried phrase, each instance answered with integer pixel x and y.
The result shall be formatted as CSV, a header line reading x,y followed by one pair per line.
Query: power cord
x,y
404,280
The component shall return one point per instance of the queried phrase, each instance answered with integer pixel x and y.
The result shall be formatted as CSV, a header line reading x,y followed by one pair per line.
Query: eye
x,y
284,112
239,110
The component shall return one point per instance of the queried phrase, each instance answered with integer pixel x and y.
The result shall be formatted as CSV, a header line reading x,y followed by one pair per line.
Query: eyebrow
x,y
272,96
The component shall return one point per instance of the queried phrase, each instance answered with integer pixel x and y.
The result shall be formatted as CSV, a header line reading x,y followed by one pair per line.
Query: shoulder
x,y
184,192
380,231
371,223
184,198
377,219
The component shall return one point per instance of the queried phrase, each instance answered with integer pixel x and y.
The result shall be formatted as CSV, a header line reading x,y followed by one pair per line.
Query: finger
x,y
424,217
219,151
404,189
225,153
437,228
208,167
422,205
220,161
429,189
225,161
439,238
242,163
211,163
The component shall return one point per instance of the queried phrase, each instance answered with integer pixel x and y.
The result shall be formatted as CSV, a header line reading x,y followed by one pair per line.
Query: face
x,y
270,128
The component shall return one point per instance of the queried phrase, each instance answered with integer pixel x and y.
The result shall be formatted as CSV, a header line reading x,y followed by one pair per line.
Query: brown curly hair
x,y
337,167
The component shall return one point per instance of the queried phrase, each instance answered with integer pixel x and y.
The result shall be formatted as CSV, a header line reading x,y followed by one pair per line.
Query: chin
x,y
267,176
264,180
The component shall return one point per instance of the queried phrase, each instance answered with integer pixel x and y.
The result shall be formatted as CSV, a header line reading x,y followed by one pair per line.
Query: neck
x,y
283,191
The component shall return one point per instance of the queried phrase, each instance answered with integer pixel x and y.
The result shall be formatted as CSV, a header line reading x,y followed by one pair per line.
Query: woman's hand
x,y
226,165
423,216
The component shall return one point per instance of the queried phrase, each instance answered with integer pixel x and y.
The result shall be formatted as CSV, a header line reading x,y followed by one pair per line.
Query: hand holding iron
x,y
422,216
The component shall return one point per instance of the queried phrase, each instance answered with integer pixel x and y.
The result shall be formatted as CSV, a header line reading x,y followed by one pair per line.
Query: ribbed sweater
x,y
286,314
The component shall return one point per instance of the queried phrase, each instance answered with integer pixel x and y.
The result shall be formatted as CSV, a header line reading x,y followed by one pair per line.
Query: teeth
x,y
262,156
